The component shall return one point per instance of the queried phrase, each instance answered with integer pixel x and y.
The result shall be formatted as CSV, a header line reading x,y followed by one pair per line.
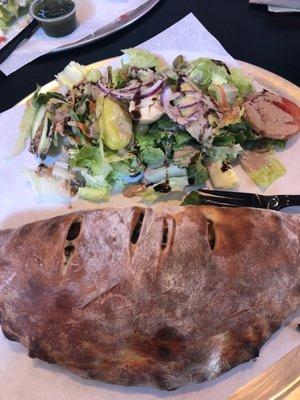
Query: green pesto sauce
x,y
53,8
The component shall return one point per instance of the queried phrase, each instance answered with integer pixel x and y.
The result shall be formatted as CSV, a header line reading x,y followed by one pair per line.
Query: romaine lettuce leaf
x,y
265,144
197,172
90,157
94,194
154,157
155,175
25,129
115,157
119,171
71,75
44,187
184,155
8,10
193,199
182,138
118,78
205,72
142,58
222,153
165,124
93,75
178,183
220,177
241,81
32,107
233,134
144,140
41,99
151,195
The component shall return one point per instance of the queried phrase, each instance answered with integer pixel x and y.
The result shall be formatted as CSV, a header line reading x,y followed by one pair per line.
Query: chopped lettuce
x,y
89,157
165,124
73,74
41,99
225,95
120,171
142,58
279,143
193,199
46,186
175,183
184,155
25,129
93,75
222,153
92,166
115,157
144,140
28,124
155,175
118,78
241,81
153,157
97,188
242,133
265,144
158,143
205,72
182,138
232,134
197,172
178,183
150,194
9,10
94,194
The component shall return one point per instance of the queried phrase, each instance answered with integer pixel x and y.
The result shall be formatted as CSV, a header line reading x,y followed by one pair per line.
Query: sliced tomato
x,y
290,108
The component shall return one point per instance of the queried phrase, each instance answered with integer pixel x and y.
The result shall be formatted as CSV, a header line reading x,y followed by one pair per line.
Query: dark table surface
x,y
248,33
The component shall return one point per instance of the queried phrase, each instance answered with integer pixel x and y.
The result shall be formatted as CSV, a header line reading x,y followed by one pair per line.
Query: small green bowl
x,y
58,26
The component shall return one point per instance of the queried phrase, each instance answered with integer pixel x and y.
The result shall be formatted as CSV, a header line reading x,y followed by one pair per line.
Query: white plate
x,y
21,377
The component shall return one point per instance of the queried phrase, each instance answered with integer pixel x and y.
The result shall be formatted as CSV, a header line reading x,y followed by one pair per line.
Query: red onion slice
x,y
103,88
129,94
173,112
189,105
130,88
166,97
150,91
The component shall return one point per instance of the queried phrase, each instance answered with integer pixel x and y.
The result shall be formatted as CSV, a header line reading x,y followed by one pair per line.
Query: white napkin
x,y
91,15
21,377
278,3
279,6
283,9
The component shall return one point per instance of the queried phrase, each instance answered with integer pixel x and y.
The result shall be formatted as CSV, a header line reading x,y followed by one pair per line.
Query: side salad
x,y
145,128
10,10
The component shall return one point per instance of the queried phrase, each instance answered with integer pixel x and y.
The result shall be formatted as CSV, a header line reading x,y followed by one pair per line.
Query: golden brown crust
x,y
142,297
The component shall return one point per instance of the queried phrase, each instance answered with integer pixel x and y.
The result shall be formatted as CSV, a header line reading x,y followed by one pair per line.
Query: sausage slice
x,y
272,116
